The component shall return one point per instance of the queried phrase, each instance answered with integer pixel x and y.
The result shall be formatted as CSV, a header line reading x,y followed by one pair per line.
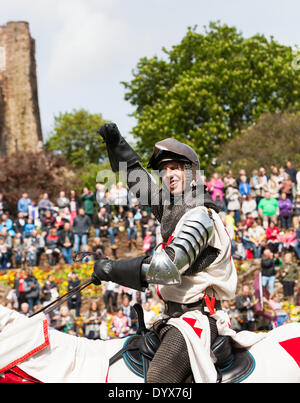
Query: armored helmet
x,y
171,149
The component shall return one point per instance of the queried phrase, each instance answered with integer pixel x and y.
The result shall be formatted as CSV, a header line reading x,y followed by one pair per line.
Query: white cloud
x,y
90,41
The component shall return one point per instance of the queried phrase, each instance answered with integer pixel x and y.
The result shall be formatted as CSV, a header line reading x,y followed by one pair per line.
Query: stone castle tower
x,y
20,124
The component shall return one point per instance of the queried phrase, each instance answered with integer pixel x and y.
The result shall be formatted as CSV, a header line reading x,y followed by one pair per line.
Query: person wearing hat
x,y
193,262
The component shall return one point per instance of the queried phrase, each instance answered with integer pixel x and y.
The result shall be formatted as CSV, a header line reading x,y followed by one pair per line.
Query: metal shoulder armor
x,y
191,237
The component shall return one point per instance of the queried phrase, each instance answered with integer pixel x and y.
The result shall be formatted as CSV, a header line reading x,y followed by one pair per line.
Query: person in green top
x,y
88,202
277,261
289,274
268,209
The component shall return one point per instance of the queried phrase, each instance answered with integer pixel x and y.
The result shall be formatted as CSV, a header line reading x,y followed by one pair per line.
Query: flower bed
x,y
241,266
61,275
293,311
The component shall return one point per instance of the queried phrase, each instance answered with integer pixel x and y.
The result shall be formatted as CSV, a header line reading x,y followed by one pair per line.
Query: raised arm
x,y
117,147
122,157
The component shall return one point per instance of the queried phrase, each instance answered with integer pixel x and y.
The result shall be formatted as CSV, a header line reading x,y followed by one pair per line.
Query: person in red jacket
x,y
248,221
272,237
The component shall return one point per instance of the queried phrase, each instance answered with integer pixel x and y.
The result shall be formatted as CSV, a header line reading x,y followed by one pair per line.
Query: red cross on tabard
x,y
192,323
292,347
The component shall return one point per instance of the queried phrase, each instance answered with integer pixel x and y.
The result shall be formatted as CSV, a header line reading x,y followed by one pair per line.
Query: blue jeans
x,y
3,261
286,221
257,251
131,233
67,255
32,258
297,249
108,231
233,247
80,239
237,216
270,282
251,245
33,302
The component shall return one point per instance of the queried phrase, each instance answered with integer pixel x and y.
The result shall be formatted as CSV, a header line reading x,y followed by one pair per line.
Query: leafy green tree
x,y
272,141
75,137
90,173
209,87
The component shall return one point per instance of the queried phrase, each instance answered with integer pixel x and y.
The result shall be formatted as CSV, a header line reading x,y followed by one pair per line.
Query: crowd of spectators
x,y
114,317
65,226
261,213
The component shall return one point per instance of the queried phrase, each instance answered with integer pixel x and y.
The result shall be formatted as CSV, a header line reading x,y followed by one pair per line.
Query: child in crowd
x,y
120,324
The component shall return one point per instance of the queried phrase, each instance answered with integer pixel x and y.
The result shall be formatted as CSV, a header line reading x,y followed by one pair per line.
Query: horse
x,y
31,351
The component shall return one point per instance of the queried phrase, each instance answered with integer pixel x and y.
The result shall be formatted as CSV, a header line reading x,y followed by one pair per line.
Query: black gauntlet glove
x,y
110,133
117,147
127,272
101,268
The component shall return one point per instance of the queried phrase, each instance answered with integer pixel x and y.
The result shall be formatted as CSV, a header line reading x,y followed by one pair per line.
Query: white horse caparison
x,y
64,358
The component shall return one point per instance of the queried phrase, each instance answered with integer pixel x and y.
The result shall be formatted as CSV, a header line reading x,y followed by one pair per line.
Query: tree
x,y
273,140
209,88
75,137
35,173
89,174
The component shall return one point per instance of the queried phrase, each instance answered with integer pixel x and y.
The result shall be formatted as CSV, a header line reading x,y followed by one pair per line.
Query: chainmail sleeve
x,y
145,189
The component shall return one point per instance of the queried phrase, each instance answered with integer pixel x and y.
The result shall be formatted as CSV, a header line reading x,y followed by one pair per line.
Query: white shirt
x,y
256,232
249,206
149,317
110,286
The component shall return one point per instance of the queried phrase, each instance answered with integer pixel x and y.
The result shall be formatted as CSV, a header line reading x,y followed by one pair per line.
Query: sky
x,y
85,48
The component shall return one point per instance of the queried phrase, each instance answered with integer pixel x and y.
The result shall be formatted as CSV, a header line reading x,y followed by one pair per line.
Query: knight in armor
x,y
194,261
